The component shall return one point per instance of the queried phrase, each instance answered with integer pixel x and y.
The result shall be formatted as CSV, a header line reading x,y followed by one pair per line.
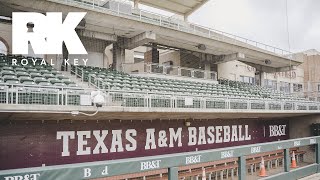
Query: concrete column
x,y
65,55
262,74
207,68
118,57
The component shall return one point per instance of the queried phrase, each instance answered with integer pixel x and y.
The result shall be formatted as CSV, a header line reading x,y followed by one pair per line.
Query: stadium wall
x,y
44,143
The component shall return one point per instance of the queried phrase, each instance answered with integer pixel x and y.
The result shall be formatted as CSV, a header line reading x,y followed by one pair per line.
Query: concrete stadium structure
x,y
181,101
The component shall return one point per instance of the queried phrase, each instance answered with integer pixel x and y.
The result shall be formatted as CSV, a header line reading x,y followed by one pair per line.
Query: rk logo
x,y
48,33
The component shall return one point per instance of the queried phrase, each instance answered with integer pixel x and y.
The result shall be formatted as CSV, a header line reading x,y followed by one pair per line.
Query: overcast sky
x,y
265,21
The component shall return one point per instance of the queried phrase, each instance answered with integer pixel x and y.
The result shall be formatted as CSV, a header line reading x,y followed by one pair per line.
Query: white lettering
x,y
65,136
82,135
150,165
150,139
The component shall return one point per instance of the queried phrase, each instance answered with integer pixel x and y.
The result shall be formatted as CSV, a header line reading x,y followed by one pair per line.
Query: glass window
x,y
247,79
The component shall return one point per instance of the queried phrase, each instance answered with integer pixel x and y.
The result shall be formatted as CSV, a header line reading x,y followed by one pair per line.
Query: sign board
x,y
34,144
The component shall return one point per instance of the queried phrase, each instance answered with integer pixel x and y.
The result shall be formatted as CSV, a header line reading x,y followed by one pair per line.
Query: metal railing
x,y
92,170
78,72
41,95
172,23
52,95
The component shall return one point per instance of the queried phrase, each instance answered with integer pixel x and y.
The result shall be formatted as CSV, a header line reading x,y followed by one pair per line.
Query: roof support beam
x,y
98,35
139,40
229,57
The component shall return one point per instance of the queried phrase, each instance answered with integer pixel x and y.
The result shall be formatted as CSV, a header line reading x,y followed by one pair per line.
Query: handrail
x,y
22,94
91,170
180,25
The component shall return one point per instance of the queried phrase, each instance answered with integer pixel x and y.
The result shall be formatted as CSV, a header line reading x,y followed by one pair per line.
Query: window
x,y
297,87
247,79
271,84
285,86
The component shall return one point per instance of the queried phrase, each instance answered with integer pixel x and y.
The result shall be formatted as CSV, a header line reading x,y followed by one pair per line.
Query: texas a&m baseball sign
x,y
33,143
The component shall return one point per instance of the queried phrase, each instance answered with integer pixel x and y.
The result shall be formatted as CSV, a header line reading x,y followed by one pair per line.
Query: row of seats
x,y
30,74
261,91
106,78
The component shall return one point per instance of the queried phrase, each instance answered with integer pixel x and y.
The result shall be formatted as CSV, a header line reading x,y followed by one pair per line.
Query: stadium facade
x,y
155,97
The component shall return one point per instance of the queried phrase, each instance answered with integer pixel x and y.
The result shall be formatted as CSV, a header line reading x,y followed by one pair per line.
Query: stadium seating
x,y
107,79
260,91
31,73
42,84
32,83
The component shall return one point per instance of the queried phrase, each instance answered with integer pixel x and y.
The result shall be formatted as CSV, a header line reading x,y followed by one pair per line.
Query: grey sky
x,y
265,21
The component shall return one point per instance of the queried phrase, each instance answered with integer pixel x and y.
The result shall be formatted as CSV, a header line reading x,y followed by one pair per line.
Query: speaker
x,y
315,129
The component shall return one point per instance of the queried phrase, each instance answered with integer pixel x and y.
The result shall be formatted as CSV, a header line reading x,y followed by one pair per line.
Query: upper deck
x,y
130,23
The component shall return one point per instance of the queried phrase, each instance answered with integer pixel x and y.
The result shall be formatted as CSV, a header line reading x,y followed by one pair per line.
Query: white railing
x,y
172,23
156,98
53,95
161,69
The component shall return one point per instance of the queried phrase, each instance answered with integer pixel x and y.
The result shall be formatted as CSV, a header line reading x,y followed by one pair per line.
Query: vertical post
x,y
173,173
317,153
242,168
286,160
7,94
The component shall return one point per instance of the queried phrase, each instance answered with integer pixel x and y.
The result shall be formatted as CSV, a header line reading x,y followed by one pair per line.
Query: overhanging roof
x,y
183,7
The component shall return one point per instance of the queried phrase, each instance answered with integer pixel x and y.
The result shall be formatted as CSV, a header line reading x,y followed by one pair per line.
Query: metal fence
x,y
172,23
92,170
55,95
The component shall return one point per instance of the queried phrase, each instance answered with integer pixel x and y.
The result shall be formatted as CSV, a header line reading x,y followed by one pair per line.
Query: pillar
x,y
286,160
242,167
173,173
207,69
65,55
118,57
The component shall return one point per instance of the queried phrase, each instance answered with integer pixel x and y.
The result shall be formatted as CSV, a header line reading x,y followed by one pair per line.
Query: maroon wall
x,y
32,143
